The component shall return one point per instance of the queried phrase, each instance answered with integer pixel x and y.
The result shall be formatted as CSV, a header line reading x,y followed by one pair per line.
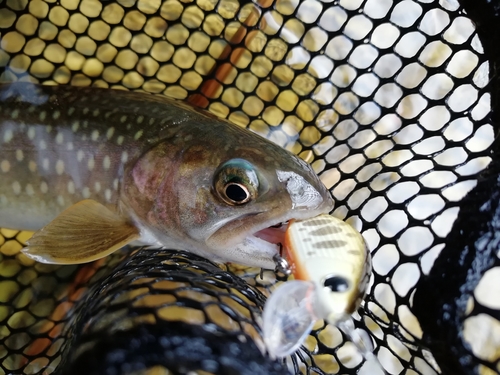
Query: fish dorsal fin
x,y
82,233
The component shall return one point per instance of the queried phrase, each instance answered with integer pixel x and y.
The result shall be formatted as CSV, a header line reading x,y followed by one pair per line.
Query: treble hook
x,y
282,264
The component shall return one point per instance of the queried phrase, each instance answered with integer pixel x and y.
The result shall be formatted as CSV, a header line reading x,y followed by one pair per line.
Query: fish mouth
x,y
250,225
273,230
253,239
274,234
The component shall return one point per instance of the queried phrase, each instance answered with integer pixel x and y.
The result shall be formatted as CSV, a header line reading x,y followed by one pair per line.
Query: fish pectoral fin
x,y
82,233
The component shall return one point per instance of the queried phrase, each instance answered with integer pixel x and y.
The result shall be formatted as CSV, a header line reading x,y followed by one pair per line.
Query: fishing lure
x,y
91,170
332,267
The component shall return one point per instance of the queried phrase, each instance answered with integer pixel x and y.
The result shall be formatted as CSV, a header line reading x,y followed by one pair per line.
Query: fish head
x,y
215,195
251,193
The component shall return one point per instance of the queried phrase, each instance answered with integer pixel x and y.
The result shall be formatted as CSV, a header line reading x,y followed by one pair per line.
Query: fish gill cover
x,y
394,104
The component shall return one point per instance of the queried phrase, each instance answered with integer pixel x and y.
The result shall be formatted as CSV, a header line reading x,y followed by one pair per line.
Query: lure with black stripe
x,y
332,266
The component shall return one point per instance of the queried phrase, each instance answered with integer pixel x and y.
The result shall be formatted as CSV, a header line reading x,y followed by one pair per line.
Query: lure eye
x,y
236,182
337,284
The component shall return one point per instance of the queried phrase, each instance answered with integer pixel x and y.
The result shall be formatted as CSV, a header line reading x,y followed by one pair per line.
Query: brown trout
x,y
92,170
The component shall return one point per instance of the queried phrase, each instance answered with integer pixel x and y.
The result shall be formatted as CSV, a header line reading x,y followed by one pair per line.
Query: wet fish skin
x,y
151,161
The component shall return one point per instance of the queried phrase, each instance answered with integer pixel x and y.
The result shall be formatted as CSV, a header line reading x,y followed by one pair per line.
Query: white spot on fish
x,y
29,190
91,163
97,186
19,155
5,166
42,115
69,146
140,119
60,200
16,187
108,194
56,114
75,126
109,133
46,164
71,187
59,138
71,110
95,135
124,156
106,162
115,184
44,188
86,192
96,112
59,167
7,136
138,135
120,140
123,119
31,133
3,200
31,109
48,128
80,155
14,114
32,166
151,121
42,145
86,110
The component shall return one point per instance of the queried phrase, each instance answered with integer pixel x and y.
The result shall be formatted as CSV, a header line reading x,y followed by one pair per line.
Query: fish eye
x,y
337,283
237,193
236,182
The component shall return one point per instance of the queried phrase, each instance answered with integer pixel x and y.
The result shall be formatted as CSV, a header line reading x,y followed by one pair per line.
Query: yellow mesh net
x,y
386,99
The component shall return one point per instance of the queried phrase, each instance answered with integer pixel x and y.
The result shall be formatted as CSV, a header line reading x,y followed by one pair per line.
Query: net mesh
x,y
390,102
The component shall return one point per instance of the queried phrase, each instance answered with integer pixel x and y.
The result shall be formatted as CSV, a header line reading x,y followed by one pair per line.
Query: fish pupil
x,y
237,193
336,284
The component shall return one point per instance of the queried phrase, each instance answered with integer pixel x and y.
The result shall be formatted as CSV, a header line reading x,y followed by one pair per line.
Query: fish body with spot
x,y
91,170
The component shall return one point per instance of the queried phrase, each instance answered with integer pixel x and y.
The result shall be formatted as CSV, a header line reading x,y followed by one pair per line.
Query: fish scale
x,y
102,168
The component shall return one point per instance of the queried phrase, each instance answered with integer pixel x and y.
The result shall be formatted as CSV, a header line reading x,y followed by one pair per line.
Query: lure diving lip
x,y
332,267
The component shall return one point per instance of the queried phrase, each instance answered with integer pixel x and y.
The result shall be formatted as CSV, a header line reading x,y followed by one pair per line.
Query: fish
x,y
332,266
91,170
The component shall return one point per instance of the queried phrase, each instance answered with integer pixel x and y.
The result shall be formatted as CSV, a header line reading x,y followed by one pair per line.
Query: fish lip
x,y
259,225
